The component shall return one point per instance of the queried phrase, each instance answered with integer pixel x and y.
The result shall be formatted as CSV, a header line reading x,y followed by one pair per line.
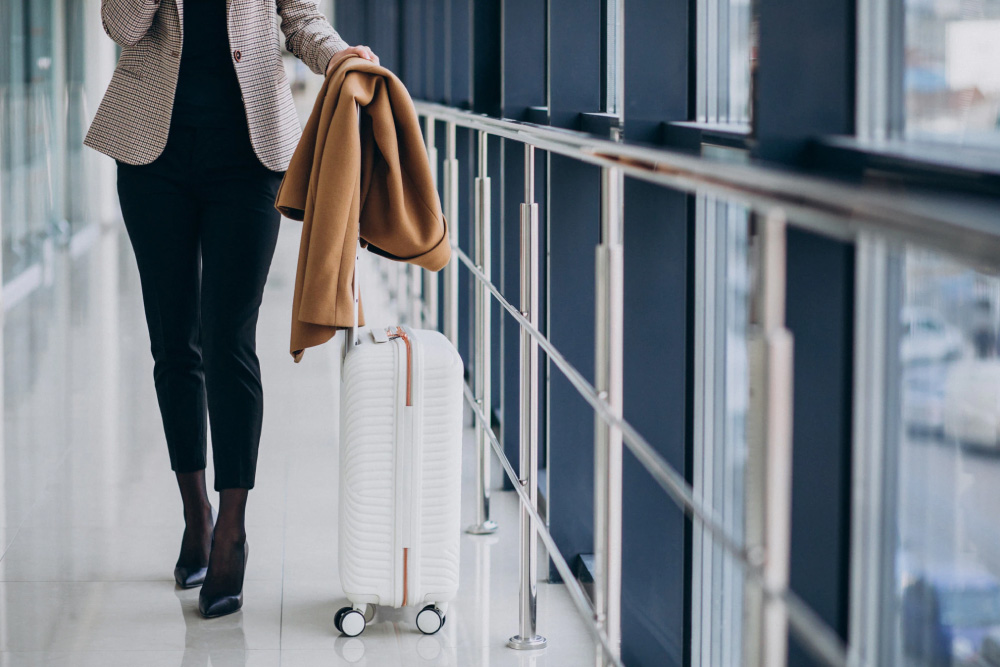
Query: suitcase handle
x,y
355,288
355,291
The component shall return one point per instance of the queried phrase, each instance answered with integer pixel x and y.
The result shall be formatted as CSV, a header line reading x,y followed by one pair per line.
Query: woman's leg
x,y
226,565
239,232
238,241
162,223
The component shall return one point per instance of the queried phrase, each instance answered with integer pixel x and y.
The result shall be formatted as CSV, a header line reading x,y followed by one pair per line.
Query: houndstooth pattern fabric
x,y
133,119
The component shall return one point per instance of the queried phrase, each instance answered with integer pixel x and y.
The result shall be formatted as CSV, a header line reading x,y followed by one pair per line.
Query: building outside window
x,y
950,76
47,190
724,52
945,608
722,381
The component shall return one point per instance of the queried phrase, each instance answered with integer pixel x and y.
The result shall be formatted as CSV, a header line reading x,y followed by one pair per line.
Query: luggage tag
x,y
380,335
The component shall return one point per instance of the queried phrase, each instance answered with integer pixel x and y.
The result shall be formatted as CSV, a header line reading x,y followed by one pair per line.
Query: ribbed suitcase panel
x,y
367,434
441,463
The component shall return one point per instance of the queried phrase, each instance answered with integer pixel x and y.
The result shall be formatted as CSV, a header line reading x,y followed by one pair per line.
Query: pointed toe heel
x,y
189,577
220,606
224,604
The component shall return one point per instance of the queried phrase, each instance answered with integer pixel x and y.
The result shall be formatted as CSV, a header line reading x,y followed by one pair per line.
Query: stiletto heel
x,y
187,577
224,604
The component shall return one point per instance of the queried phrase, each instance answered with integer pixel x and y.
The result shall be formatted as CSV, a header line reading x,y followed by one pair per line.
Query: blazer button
x,y
237,55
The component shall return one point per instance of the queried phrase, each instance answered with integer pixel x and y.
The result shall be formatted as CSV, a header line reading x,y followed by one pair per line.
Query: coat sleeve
x,y
127,21
308,34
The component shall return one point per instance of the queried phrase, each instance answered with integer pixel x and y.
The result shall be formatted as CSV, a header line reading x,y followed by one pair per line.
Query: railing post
x,y
483,344
451,215
527,637
608,373
430,300
769,453
876,301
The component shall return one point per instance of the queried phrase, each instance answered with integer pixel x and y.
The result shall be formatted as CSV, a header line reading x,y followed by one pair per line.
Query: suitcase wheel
x,y
430,620
349,621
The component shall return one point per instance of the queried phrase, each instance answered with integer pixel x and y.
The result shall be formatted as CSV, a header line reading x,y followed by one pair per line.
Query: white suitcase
x,y
400,474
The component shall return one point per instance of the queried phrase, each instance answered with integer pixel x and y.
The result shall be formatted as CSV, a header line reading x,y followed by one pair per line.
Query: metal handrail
x,y
964,227
576,592
669,479
961,228
824,643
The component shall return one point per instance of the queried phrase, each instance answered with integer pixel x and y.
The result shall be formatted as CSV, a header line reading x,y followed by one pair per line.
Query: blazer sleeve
x,y
127,21
308,35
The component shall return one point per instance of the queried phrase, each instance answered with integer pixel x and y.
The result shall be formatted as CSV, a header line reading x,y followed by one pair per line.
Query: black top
x,y
208,92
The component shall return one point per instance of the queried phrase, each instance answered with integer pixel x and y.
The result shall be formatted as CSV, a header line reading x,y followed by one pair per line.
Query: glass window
x,y
942,491
724,55
951,78
722,284
45,186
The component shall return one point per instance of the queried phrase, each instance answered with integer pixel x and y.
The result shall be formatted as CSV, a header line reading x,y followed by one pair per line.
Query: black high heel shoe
x,y
224,604
189,577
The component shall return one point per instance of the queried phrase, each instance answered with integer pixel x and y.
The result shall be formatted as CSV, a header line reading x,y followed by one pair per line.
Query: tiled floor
x,y
90,519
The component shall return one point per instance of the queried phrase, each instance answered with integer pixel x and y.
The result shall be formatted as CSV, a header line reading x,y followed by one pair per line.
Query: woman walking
x,y
200,121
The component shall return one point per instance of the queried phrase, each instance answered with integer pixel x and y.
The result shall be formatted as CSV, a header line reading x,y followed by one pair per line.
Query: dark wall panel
x,y
382,31
434,44
574,60
656,31
486,61
413,68
524,23
458,53
497,312
465,149
573,234
510,285
656,403
349,20
805,82
820,315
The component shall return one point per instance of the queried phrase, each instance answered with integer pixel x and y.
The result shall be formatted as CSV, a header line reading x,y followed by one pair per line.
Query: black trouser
x,y
202,222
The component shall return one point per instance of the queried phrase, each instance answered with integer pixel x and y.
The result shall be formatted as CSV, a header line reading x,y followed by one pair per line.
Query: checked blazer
x,y
133,119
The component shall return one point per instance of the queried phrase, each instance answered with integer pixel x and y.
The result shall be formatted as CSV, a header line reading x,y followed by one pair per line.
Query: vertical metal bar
x,y
430,278
709,365
620,62
769,455
871,312
527,637
483,343
3,299
873,56
712,56
608,373
614,74
701,60
414,291
356,280
451,216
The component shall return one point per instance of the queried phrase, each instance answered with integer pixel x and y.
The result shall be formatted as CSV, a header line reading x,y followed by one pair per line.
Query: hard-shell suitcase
x,y
400,474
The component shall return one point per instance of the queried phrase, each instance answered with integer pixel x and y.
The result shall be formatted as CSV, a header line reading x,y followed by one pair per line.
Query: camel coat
x,y
348,178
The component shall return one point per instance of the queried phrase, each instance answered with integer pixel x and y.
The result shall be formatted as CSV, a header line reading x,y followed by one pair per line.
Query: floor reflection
x,y
91,520
218,642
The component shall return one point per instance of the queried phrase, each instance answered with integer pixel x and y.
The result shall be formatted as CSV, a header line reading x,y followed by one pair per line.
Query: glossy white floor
x,y
90,518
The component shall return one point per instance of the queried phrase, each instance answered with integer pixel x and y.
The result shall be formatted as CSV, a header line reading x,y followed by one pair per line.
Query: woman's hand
x,y
359,50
